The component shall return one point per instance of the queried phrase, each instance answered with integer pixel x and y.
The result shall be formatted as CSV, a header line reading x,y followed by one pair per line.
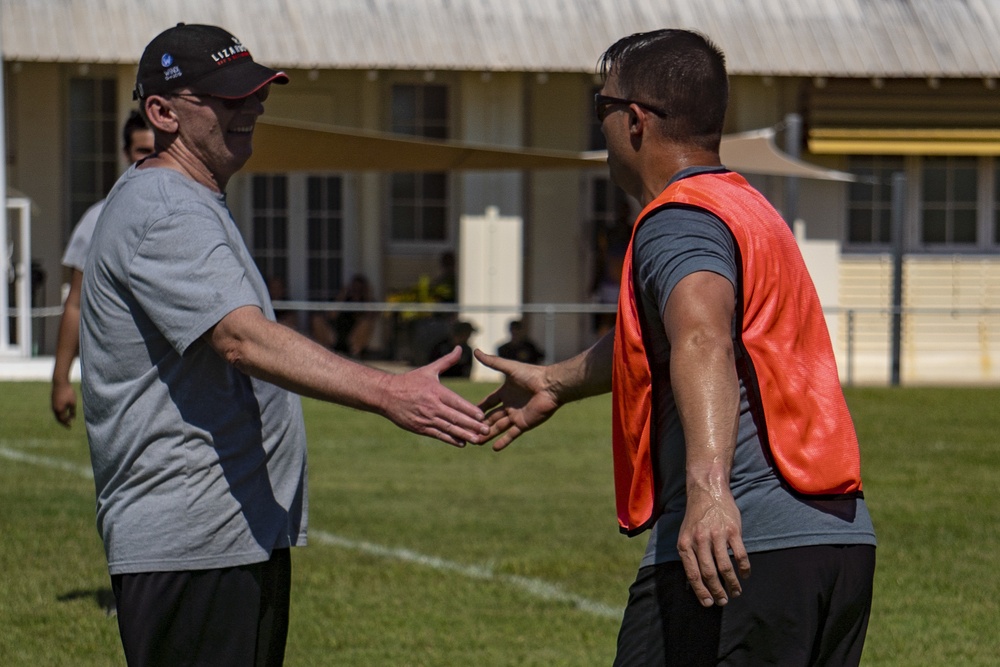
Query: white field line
x,y
535,587
45,461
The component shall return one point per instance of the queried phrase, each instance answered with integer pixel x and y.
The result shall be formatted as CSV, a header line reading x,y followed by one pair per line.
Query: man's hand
x,y
418,402
712,527
524,401
63,403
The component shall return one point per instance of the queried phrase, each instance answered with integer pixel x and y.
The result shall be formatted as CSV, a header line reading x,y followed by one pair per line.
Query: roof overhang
x,y
282,145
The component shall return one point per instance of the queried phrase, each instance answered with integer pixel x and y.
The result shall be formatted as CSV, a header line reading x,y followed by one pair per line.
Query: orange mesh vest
x,y
783,355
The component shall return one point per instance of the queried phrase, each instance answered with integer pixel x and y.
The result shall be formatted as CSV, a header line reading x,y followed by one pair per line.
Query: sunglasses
x,y
229,103
604,103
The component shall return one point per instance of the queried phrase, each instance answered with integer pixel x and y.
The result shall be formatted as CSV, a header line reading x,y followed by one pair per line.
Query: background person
x,y
137,143
461,332
196,435
350,331
520,347
732,441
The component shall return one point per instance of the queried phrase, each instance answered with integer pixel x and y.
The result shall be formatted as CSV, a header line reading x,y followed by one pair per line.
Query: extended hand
x,y
521,403
418,402
711,527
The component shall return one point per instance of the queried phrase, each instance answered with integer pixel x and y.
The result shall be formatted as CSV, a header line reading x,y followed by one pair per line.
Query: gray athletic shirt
x,y
75,256
196,465
670,245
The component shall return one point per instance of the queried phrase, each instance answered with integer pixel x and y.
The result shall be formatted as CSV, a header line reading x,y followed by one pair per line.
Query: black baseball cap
x,y
204,58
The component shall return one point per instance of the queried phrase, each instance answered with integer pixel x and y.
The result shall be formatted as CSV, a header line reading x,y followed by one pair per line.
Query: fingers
x,y
485,359
710,572
508,437
700,571
455,420
726,583
505,366
447,438
464,420
491,401
64,415
447,361
741,558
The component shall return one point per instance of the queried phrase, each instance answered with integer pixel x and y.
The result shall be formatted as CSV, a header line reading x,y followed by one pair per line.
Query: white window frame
x,y
421,245
297,250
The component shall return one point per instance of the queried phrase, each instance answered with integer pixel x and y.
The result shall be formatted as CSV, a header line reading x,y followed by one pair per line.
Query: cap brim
x,y
239,80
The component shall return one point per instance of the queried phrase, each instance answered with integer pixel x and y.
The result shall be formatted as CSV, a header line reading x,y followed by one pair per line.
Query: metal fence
x,y
936,345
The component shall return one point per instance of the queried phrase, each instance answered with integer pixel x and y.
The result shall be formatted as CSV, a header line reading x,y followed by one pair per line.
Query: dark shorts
x,y
234,616
801,606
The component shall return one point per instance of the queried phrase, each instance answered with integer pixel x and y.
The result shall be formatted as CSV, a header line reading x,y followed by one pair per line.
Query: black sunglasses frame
x,y
603,104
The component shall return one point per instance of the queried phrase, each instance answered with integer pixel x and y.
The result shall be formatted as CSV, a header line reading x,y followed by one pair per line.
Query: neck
x,y
184,163
665,164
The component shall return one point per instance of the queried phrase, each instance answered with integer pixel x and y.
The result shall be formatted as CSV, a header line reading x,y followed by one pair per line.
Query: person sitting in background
x,y
520,347
461,331
348,332
278,292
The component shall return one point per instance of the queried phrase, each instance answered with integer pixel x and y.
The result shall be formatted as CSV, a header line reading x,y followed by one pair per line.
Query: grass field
x,y
421,554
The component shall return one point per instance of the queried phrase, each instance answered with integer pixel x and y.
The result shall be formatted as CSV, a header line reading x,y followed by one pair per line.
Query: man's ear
x,y
160,114
636,122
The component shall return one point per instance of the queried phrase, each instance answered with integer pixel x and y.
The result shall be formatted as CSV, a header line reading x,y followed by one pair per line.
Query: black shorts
x,y
800,606
234,616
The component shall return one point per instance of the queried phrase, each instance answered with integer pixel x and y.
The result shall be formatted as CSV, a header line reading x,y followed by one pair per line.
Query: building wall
x,y
550,111
557,245
951,329
37,144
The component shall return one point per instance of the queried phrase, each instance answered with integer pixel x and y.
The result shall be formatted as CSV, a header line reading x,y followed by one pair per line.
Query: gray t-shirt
x,y
669,246
196,465
75,256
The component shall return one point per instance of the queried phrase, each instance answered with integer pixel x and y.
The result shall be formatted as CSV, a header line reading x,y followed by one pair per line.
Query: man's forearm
x,y
587,374
277,354
706,391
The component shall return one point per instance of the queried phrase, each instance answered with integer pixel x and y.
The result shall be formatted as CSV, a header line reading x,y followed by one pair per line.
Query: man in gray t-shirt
x,y
196,433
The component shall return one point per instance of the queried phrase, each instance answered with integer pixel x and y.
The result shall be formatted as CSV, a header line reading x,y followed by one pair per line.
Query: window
x,y
418,206
269,236
93,142
324,237
952,203
949,196
869,207
297,233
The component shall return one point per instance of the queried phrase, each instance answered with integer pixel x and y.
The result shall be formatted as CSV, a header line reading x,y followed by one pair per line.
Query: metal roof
x,y
864,38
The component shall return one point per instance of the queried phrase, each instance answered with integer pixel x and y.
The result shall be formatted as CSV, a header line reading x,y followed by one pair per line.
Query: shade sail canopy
x,y
286,145
755,152
282,145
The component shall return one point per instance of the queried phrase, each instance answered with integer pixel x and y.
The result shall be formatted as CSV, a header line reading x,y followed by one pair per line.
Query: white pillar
x,y
490,274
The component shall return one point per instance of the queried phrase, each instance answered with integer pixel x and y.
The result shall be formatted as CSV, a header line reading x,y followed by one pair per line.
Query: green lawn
x,y
421,554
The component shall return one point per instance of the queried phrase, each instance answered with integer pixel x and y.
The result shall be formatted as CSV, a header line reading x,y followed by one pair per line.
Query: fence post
x,y
550,335
898,204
